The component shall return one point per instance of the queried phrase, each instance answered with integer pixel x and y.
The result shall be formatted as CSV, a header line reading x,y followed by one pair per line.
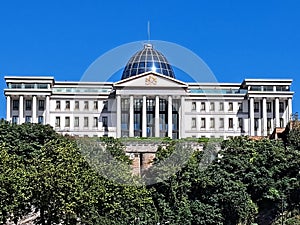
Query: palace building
x,y
148,101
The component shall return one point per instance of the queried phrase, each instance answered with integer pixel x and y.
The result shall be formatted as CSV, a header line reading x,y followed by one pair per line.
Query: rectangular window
x,y
41,105
86,105
162,105
85,121
41,120
269,107
212,106
125,104
194,123
256,106
104,121
202,106
202,122
28,104
67,105
57,105
105,105
76,105
256,124
221,106
76,122
269,123
230,123
95,105
57,121
27,119
15,104
240,107
95,122
212,122
241,123
281,121
281,107
193,106
15,119
67,121
230,106
221,121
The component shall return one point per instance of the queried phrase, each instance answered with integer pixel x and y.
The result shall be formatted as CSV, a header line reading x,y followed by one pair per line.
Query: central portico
x,y
150,105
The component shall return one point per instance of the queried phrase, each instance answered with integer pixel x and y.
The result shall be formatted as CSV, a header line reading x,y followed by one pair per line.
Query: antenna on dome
x,y
148,31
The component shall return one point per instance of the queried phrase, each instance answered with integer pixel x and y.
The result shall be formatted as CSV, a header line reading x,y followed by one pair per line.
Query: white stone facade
x,y
151,105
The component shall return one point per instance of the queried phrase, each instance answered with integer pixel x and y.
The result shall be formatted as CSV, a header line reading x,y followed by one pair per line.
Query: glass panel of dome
x,y
155,57
142,64
143,57
133,72
141,71
135,65
149,64
163,65
157,64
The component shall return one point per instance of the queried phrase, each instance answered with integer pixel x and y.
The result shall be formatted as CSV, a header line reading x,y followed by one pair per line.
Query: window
x,y
15,104
67,121
230,106
95,122
202,122
27,119
105,105
194,123
86,105
230,123
86,122
240,107
194,106
28,104
281,121
281,107
221,125
57,105
269,123
15,119
212,106
41,104
67,105
269,107
256,124
221,106
40,119
95,105
104,121
57,121
241,123
125,104
76,122
202,106
212,122
256,106
76,105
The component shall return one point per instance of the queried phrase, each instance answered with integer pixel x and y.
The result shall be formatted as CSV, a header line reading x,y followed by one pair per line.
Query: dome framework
x,y
148,59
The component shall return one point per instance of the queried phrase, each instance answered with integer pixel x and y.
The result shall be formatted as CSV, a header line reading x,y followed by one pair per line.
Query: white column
x,y
170,125
290,110
277,112
157,129
8,108
251,115
119,116
47,114
34,113
21,109
131,117
144,117
181,118
264,116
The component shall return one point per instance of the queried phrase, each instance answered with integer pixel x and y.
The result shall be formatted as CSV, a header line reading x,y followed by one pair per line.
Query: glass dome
x,y
146,60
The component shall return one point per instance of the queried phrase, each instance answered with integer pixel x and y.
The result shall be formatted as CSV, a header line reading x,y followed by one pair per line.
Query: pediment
x,y
150,79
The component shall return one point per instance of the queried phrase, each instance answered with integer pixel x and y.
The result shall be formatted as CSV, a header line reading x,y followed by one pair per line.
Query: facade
x,y
149,101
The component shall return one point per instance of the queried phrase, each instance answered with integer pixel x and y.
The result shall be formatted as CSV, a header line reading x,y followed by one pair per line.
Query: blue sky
x,y
237,39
